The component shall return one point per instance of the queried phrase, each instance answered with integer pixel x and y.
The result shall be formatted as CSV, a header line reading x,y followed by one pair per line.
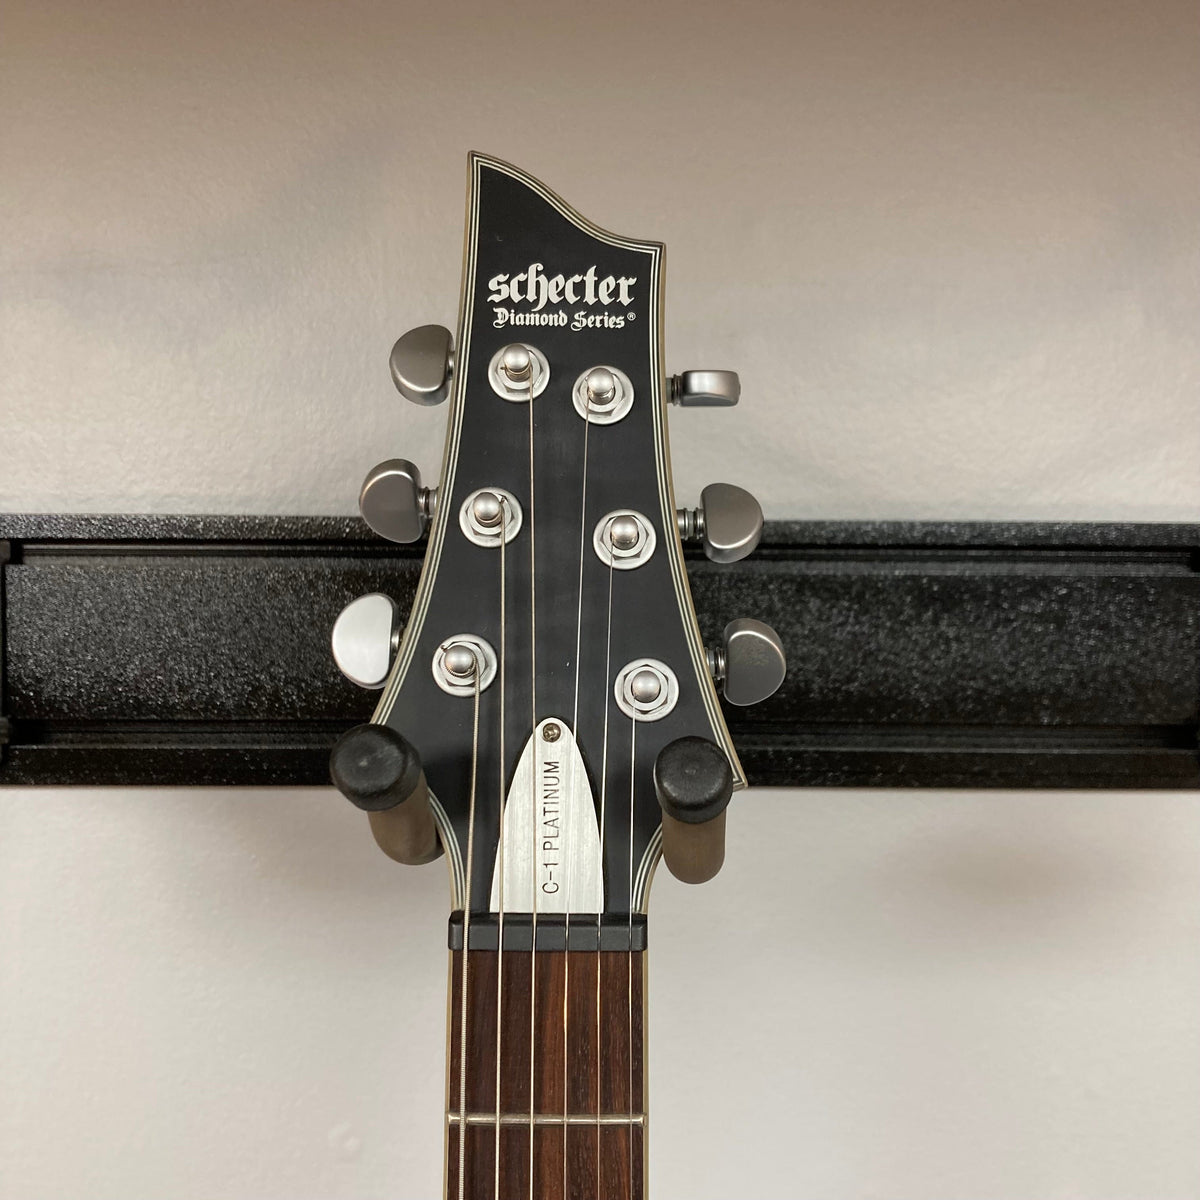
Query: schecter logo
x,y
535,288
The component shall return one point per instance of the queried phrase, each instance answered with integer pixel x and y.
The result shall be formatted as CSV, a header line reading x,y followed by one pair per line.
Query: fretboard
x,y
570,1104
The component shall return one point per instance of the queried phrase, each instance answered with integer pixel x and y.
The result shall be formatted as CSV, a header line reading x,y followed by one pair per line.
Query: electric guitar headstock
x,y
549,717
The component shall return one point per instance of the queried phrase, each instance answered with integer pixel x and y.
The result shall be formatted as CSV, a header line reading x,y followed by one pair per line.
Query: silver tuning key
x,y
393,502
729,522
422,362
365,638
750,664
706,389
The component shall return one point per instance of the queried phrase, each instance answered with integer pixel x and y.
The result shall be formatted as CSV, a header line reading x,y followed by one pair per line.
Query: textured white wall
x,y
953,249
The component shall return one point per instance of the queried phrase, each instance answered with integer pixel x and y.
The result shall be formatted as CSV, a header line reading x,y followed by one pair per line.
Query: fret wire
x,y
483,1118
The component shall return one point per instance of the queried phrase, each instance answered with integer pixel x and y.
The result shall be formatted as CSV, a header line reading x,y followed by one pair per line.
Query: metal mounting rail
x,y
194,650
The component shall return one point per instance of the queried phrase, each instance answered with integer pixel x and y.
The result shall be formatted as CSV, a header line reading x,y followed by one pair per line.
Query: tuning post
x,y
488,511
706,389
518,372
729,522
601,386
624,532
393,502
646,689
460,662
602,395
624,539
750,664
463,663
517,363
422,362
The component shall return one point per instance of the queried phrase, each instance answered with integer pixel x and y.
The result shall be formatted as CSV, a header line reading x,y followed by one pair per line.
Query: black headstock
x,y
582,617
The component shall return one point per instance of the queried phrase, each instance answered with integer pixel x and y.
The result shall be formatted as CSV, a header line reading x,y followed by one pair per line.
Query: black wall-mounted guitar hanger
x,y
177,650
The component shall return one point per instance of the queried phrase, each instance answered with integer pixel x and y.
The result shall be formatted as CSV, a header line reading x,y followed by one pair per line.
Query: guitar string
x,y
632,777
603,814
466,950
574,791
500,805
532,782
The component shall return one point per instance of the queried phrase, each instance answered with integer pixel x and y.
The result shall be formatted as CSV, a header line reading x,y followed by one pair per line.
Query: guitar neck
x,y
554,1075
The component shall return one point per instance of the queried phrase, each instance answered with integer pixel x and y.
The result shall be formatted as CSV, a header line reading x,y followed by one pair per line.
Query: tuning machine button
x,y
394,503
693,782
706,389
422,362
729,522
750,664
365,638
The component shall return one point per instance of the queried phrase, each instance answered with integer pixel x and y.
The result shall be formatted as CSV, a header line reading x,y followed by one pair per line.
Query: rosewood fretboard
x,y
580,1052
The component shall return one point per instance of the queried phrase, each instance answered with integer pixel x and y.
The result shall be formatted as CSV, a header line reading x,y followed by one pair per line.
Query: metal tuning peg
x,y
706,389
379,771
750,664
729,522
422,362
393,502
365,638
693,782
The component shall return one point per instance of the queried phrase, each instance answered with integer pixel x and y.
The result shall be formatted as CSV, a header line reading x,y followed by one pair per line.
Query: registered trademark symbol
x,y
630,316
